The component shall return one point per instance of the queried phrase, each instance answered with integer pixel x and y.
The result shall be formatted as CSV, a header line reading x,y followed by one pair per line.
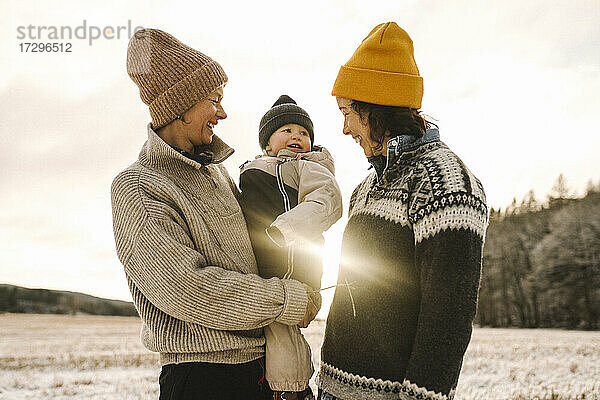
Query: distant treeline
x,y
16,299
541,263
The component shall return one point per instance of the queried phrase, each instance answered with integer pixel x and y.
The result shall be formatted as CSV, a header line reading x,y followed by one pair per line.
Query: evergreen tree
x,y
560,192
541,265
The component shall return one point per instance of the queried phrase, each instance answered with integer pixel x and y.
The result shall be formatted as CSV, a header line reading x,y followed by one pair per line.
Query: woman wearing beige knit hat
x,y
182,238
401,317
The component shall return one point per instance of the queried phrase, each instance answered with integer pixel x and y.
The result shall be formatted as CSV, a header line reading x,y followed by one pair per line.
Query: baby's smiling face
x,y
293,137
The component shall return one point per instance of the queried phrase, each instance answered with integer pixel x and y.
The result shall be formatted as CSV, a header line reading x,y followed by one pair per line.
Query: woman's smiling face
x,y
203,117
356,127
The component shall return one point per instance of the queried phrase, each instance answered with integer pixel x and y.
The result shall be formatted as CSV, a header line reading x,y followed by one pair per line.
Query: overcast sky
x,y
513,85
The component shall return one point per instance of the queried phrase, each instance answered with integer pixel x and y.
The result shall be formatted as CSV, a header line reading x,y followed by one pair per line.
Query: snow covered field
x,y
93,357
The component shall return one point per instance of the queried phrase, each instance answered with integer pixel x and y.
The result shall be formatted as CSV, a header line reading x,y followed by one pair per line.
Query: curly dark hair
x,y
395,120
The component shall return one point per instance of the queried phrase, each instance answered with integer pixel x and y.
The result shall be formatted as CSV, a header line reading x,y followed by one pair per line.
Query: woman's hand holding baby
x,y
313,306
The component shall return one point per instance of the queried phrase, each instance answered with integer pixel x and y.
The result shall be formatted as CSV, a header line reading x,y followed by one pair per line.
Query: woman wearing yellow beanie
x,y
411,251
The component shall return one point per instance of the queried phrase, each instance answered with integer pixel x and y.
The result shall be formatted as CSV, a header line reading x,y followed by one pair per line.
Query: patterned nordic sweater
x,y
182,239
413,247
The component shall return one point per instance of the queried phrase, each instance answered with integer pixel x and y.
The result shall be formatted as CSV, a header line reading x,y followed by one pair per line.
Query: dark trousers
x,y
196,380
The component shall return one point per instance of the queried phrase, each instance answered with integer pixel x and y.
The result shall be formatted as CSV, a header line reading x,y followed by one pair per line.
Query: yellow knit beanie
x,y
382,70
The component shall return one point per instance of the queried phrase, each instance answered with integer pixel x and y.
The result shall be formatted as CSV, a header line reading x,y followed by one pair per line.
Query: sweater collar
x,y
156,152
403,143
399,145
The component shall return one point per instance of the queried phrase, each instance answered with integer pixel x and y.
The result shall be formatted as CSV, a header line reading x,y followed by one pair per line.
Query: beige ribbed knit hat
x,y
172,77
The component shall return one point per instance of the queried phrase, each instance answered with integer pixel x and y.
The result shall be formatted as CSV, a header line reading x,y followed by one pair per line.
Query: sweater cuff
x,y
294,303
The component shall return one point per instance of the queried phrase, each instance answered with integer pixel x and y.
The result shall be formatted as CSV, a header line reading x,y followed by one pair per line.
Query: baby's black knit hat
x,y
284,111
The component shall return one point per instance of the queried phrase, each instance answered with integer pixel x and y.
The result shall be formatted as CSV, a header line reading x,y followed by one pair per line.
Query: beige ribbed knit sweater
x,y
182,239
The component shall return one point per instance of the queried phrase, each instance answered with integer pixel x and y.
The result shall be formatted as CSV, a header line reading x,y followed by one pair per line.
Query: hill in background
x,y
16,299
541,263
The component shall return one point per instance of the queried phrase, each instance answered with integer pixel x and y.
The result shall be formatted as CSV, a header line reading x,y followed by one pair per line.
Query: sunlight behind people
x,y
517,100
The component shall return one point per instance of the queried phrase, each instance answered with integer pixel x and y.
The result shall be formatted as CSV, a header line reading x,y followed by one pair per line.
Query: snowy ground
x,y
88,357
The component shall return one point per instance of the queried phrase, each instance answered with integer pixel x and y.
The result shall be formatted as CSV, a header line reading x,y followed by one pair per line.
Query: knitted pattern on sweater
x,y
182,239
412,247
